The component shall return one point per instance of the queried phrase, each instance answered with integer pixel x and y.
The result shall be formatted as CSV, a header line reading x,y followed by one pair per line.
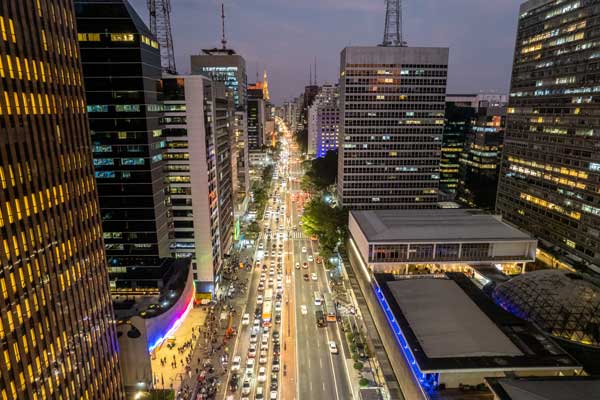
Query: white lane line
x,y
321,363
323,386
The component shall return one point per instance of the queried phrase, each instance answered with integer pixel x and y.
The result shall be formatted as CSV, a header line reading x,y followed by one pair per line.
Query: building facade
x,y
392,118
458,124
551,165
192,173
127,140
57,325
324,121
256,123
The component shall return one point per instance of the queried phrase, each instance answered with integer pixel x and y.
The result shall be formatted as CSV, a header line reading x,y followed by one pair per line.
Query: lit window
x,y
122,37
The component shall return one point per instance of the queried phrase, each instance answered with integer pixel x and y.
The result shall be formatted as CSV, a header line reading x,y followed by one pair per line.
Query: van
x,y
318,299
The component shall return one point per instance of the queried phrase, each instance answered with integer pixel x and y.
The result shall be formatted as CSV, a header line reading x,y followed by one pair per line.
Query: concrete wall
x,y
359,238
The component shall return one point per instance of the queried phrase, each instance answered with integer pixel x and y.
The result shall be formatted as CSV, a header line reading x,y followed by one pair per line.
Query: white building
x,y
323,121
392,102
198,174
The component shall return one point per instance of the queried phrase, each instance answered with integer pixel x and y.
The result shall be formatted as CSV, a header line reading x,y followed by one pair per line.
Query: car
x,y
259,299
313,276
250,366
260,393
252,350
273,395
305,265
246,319
236,363
275,334
274,382
246,386
278,306
275,367
233,382
262,374
278,318
264,340
273,254
297,265
276,349
262,359
253,338
256,323
303,309
333,347
310,258
261,287
260,246
304,249
305,276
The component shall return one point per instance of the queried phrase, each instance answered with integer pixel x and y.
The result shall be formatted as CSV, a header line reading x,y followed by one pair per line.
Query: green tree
x,y
327,222
322,172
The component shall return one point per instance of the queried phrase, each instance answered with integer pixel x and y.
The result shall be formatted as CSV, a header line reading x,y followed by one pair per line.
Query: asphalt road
x,y
321,374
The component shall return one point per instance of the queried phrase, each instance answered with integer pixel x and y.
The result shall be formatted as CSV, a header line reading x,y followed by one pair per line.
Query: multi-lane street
x,y
291,356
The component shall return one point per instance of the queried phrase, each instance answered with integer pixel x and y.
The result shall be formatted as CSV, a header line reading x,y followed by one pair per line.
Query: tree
x,y
327,222
322,172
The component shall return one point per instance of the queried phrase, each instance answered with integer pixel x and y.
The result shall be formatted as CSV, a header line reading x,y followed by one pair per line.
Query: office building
x,y
198,173
550,165
458,123
57,326
256,123
127,140
324,121
392,119
479,163
226,66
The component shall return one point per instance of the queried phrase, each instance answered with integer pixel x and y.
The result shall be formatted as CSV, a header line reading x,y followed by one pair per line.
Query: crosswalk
x,y
297,235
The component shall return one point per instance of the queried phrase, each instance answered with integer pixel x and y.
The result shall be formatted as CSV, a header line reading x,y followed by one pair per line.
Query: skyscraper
x,y
324,121
392,118
192,171
551,163
122,71
57,324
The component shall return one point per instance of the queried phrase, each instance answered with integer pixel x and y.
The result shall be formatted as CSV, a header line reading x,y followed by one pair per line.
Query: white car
x,y
273,395
259,299
236,363
304,249
246,386
246,319
252,350
277,306
310,258
333,347
313,276
297,265
250,366
262,374
253,338
259,395
303,309
263,357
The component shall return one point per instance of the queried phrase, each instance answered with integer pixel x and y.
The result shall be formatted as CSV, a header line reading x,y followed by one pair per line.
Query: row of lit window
x,y
549,167
23,68
548,177
550,206
116,37
554,32
10,33
28,104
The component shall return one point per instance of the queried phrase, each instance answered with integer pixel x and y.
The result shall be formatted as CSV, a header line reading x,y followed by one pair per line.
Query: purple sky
x,y
284,36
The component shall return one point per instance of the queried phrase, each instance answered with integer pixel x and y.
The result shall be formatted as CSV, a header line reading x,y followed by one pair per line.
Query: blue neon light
x,y
428,382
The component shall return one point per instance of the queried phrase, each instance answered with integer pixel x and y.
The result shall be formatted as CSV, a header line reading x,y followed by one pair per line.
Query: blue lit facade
x,y
428,382
328,123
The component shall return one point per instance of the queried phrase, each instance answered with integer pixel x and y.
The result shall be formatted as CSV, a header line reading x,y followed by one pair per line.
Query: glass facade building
x,y
56,320
122,71
549,180
392,103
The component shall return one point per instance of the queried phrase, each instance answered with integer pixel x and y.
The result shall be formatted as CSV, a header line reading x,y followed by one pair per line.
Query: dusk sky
x,y
284,36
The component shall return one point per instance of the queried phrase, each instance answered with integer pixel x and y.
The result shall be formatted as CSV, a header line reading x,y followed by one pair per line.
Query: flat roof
x,y
546,388
449,324
436,225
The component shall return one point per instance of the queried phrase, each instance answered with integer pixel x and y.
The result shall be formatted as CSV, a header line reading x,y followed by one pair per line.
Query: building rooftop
x,y
449,324
436,225
546,388
452,325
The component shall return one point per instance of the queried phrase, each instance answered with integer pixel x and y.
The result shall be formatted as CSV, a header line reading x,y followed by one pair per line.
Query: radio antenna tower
x,y
223,39
160,25
392,35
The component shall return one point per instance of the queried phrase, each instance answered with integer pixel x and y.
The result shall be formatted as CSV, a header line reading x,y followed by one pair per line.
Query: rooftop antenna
x,y
309,75
392,34
316,82
223,40
160,26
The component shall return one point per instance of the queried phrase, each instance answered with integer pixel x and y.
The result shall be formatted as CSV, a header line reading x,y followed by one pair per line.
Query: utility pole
x,y
160,26
392,35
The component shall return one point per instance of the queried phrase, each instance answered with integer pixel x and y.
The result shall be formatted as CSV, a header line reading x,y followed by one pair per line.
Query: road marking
x,y
321,363
323,386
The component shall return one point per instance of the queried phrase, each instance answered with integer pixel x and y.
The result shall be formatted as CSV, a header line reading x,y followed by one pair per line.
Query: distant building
x,y
549,180
256,123
198,203
479,100
480,159
324,121
392,119
124,116
57,327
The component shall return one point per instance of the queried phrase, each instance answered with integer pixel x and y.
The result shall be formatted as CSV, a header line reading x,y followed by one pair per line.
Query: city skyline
x,y
278,43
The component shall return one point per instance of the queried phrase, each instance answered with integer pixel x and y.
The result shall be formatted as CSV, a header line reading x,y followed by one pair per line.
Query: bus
x,y
320,318
268,295
317,299
267,313
330,311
